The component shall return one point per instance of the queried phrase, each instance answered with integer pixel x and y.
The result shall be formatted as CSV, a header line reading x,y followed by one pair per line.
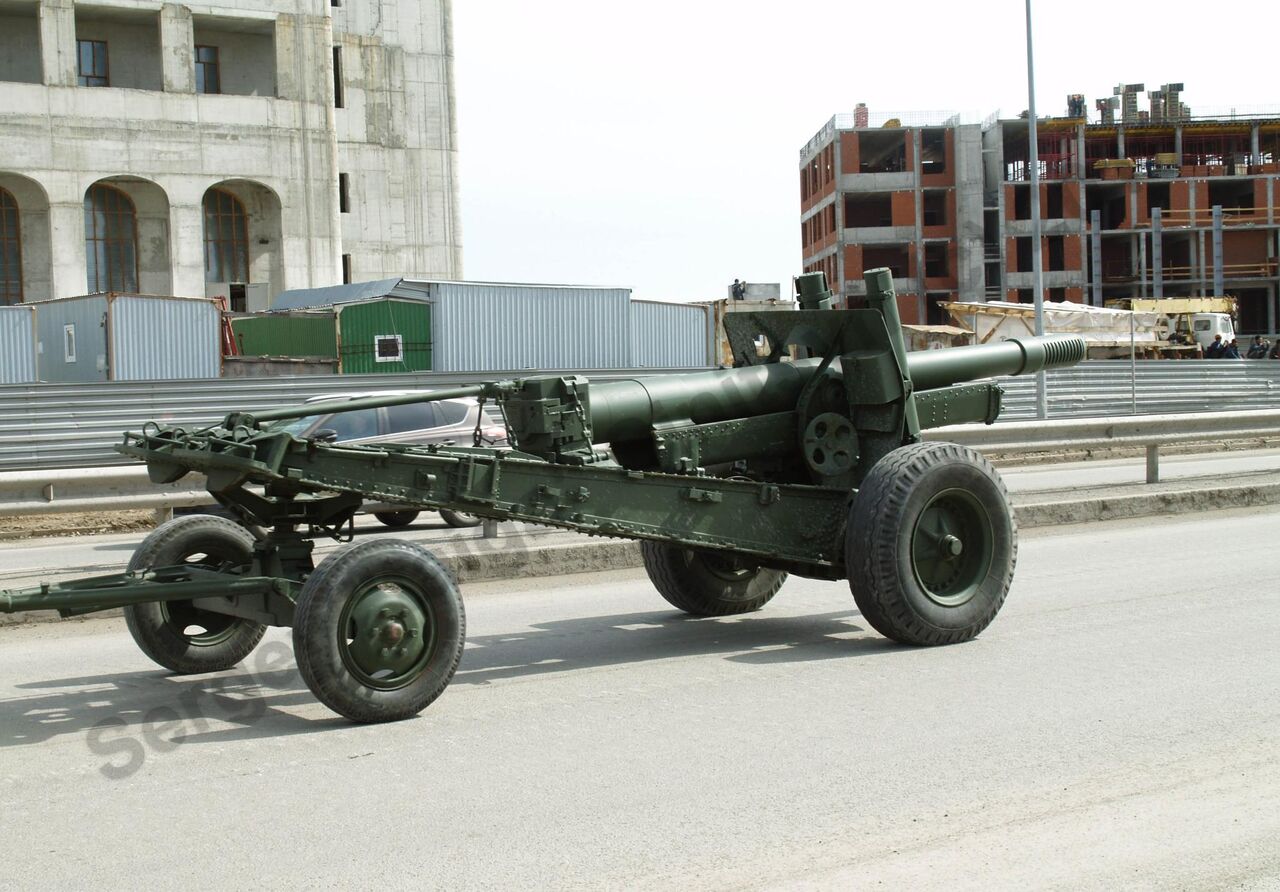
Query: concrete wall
x,y
397,139
273,135
20,47
133,49
246,61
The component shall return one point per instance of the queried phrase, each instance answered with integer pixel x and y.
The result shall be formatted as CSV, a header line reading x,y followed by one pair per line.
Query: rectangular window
x,y
344,194
337,77
388,348
69,343
346,269
936,264
207,75
91,62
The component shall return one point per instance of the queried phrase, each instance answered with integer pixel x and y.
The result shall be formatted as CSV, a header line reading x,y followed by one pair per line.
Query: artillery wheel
x,y
459,519
176,634
396,519
707,583
378,630
931,544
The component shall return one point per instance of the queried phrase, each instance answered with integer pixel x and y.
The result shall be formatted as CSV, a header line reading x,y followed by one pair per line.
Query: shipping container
x,y
18,345
671,335
484,326
128,337
490,326
384,335
297,335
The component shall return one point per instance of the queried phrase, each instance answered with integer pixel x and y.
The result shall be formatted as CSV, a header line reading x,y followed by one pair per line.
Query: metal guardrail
x,y
118,488
76,425
1149,431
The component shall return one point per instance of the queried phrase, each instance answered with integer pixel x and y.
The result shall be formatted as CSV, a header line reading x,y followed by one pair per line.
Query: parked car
x,y
451,422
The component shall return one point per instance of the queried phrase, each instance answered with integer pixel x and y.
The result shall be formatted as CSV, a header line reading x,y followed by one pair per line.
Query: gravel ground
x,y
73,524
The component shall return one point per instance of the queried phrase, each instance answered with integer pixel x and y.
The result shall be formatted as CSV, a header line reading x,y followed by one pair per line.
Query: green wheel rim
x,y
182,615
387,633
951,547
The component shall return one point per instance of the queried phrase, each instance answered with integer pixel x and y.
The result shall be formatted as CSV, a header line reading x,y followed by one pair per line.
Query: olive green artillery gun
x,y
807,460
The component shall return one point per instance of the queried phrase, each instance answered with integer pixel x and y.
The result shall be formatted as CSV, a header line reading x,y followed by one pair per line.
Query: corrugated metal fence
x,y
75,425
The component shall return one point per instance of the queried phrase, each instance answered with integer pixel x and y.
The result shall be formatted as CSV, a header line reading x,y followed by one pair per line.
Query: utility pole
x,y
1037,260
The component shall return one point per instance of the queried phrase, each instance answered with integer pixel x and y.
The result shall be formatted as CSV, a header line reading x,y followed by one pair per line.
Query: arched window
x,y
110,239
226,238
10,251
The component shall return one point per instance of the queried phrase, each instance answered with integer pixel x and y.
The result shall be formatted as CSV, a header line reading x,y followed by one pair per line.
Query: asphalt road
x,y
1117,726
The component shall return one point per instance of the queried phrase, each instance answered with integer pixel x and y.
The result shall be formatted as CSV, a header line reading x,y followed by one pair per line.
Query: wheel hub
x,y
951,547
387,629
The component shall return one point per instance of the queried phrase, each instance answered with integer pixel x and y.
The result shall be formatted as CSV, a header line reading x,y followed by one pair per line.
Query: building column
x,y
66,237
58,46
186,247
176,49
1255,149
1177,143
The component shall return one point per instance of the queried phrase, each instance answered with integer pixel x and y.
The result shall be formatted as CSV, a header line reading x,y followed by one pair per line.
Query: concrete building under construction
x,y
1154,202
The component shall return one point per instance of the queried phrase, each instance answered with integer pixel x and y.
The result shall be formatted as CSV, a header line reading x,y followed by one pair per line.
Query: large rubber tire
x,y
707,583
396,519
459,519
931,544
378,630
174,633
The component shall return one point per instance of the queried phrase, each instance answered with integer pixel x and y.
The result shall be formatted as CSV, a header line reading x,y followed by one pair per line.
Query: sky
x,y
655,146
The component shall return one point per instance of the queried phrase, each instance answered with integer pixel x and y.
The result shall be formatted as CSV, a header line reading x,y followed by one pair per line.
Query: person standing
x,y
739,290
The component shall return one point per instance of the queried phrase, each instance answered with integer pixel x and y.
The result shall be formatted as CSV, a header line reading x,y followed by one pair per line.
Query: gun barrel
x,y
628,409
939,368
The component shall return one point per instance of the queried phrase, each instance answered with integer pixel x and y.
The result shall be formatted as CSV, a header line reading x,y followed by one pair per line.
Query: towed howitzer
x,y
805,460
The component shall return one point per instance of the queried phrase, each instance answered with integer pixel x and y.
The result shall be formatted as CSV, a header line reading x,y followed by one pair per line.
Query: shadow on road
x,y
256,699
568,645
180,708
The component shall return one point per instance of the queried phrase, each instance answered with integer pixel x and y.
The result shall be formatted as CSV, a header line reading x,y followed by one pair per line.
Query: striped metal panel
x,y
486,326
18,345
53,425
1100,388
67,322
670,335
361,324
286,334
64,425
164,338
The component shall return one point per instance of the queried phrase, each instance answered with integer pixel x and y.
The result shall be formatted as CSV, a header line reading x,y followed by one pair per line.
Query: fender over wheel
x,y
176,634
378,630
931,544
707,583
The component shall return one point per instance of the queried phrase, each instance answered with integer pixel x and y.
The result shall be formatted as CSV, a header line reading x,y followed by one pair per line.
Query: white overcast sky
x,y
655,145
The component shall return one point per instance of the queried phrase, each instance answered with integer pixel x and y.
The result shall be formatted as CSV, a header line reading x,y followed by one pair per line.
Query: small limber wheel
x,y
459,519
707,583
378,630
176,634
931,544
396,519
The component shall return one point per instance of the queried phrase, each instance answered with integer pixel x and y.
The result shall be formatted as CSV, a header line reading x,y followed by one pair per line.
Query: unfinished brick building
x,y
1174,207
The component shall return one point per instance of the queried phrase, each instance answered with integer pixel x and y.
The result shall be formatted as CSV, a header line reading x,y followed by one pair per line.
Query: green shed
x,y
386,334
295,335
